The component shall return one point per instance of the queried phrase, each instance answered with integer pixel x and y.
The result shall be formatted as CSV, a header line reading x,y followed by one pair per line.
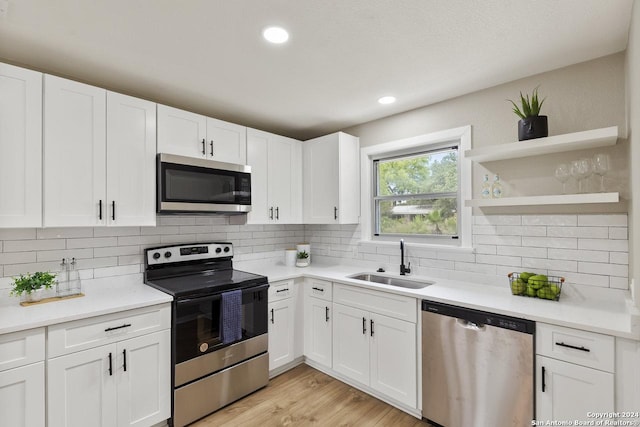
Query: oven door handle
x,y
218,295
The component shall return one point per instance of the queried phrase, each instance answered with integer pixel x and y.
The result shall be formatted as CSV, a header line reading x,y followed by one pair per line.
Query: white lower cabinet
x,y
351,343
318,322
574,373
282,323
22,396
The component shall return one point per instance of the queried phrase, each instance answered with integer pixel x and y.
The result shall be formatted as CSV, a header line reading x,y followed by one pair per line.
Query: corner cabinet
x,y
111,370
331,180
20,147
99,157
276,178
22,380
189,134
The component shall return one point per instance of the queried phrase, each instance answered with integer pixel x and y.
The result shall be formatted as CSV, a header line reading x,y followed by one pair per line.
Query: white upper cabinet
x,y
188,134
74,153
276,174
20,147
332,180
131,154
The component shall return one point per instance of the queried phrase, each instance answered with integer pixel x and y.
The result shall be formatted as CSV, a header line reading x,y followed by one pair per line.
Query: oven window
x,y
198,322
190,184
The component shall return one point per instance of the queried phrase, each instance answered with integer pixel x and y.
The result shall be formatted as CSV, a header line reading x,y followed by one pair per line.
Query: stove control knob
x,y
218,250
226,249
167,254
156,255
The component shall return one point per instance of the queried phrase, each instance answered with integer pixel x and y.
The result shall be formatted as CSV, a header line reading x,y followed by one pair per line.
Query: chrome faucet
x,y
403,270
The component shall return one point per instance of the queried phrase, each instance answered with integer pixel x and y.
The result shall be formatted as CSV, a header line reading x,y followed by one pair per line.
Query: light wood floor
x,y
304,396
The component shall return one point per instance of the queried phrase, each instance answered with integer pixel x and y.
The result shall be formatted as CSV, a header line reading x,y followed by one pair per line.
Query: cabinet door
x,y
20,147
351,342
22,396
81,389
281,333
144,379
284,183
394,372
571,391
74,153
318,325
181,132
257,158
321,180
131,166
226,142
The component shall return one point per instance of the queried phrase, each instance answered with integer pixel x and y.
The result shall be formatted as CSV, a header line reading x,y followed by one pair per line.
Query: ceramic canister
x,y
290,257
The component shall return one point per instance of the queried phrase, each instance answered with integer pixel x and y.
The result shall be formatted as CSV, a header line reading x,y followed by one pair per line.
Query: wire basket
x,y
536,286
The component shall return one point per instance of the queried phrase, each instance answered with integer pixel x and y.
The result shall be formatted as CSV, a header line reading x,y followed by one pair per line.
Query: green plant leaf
x,y
516,110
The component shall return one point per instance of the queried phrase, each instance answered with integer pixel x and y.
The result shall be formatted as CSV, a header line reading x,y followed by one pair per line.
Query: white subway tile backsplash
x,y
475,268
524,230
502,260
559,220
116,251
488,249
550,264
618,270
456,256
579,255
159,230
485,229
115,271
497,240
526,251
582,279
57,255
612,220
138,240
116,231
33,245
619,258
177,220
498,220
64,233
175,239
604,245
550,242
588,232
16,269
618,282
130,259
618,233
17,257
17,233
433,263
96,242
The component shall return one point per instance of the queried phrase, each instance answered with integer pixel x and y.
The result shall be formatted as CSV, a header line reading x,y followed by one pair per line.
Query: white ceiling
x,y
208,55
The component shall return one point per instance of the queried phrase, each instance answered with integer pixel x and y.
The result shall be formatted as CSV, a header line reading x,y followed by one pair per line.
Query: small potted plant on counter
x,y
303,259
531,124
31,287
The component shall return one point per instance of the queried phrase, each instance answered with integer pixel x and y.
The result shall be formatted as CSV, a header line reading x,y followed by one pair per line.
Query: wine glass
x,y
601,167
581,169
563,173
586,167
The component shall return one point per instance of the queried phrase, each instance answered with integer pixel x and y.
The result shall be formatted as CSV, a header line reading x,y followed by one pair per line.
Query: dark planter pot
x,y
533,127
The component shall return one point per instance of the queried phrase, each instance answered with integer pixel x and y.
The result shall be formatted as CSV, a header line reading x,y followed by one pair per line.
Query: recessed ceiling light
x,y
387,100
275,35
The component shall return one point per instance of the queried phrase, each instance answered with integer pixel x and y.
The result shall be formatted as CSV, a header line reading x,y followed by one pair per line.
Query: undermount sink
x,y
392,281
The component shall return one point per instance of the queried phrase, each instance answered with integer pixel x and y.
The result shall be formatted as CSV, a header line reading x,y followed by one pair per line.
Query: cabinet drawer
x,y
318,289
575,346
388,304
69,337
21,348
281,290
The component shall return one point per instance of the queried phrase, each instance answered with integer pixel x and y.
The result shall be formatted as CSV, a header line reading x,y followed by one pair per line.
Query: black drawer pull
x,y
126,325
561,344
544,383
326,314
317,289
110,364
282,290
272,320
124,355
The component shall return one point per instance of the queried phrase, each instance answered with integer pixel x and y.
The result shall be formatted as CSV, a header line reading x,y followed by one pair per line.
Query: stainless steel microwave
x,y
192,185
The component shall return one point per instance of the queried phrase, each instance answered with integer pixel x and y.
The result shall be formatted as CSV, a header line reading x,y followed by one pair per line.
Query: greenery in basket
x,y
303,255
29,283
530,107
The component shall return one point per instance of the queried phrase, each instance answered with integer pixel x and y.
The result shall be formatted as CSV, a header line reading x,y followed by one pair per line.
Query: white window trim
x,y
368,154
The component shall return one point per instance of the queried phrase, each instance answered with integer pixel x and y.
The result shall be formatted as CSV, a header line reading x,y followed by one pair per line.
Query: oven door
x,y
188,184
198,322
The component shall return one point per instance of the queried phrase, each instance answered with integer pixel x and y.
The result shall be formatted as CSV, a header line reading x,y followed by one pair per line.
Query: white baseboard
x,y
284,368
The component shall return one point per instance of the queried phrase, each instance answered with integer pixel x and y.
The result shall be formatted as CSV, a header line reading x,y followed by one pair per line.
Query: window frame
x,y
460,137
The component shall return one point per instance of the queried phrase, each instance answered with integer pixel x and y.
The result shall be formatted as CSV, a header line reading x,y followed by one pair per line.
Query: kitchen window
x,y
415,189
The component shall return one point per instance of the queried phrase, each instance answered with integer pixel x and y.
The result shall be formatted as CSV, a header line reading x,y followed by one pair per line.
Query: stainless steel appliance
x,y
477,368
211,367
191,185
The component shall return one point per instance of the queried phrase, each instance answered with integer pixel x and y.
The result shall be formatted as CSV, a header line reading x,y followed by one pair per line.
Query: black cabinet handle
x,y
581,348
110,364
371,327
282,290
326,314
271,212
544,384
100,210
203,144
335,212
124,355
277,213
272,315
211,145
364,326
126,325
113,210
317,289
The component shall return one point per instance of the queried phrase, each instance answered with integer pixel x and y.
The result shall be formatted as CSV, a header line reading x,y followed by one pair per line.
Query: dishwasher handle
x,y
470,325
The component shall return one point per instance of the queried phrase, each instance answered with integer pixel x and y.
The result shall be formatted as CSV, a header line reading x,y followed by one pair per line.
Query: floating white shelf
x,y
603,137
559,199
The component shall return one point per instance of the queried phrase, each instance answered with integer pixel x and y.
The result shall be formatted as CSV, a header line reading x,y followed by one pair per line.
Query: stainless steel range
x,y
219,335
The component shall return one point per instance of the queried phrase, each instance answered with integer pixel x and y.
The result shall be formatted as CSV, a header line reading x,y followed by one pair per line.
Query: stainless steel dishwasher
x,y
477,368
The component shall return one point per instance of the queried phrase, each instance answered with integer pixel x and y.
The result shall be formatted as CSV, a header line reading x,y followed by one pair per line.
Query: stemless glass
x,y
601,167
563,173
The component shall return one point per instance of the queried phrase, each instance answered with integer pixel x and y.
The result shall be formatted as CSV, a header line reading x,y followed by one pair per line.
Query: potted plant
x,y
303,259
531,125
30,286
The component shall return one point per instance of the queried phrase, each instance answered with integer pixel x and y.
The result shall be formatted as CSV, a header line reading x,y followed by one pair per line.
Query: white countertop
x,y
102,296
605,311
